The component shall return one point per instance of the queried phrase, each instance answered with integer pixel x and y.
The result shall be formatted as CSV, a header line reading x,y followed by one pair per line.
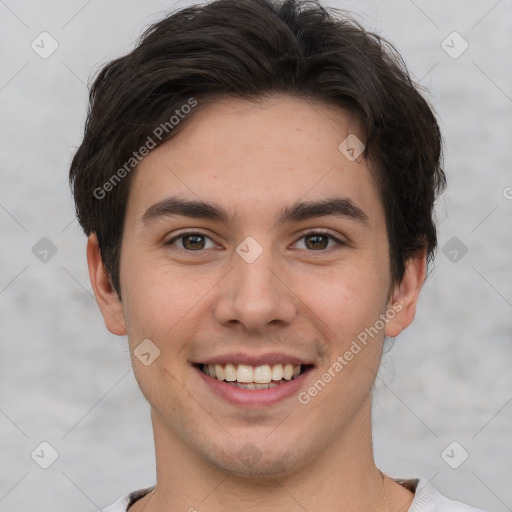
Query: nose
x,y
256,295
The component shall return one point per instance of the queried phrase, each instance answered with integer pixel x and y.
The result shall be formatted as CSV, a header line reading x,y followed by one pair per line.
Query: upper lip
x,y
269,358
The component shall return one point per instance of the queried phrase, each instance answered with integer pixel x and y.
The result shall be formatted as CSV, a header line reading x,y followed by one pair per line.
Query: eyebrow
x,y
341,207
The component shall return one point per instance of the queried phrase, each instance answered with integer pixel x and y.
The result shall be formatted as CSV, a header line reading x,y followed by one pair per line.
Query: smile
x,y
245,376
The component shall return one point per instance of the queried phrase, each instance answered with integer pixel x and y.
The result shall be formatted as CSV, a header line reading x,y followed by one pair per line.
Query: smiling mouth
x,y
254,377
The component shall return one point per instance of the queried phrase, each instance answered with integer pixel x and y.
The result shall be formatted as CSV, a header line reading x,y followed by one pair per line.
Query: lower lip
x,y
253,397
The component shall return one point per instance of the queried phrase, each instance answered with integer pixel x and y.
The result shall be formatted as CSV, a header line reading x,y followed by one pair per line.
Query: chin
x,y
249,461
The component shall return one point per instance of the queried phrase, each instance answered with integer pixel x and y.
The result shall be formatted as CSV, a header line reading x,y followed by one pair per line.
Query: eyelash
x,y
305,235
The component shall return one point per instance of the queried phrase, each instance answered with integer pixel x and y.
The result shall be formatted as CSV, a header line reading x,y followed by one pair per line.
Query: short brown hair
x,y
250,49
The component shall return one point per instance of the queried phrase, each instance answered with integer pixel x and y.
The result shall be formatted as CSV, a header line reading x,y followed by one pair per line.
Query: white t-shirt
x,y
426,498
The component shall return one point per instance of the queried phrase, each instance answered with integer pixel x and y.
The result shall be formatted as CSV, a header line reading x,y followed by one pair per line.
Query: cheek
x,y
350,306
165,305
159,310
150,290
349,300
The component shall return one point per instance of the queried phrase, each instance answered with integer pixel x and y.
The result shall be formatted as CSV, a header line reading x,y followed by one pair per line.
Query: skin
x,y
254,158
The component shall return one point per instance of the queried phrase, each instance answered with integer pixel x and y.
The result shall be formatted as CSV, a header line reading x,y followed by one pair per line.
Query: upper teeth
x,y
245,373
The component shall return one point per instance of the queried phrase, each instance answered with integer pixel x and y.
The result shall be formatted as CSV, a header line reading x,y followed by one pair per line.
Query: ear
x,y
405,295
108,301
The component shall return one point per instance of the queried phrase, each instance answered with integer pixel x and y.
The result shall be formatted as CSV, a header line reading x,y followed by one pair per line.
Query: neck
x,y
343,477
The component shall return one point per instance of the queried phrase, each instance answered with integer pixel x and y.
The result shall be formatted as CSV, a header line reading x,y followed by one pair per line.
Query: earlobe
x,y
405,295
106,296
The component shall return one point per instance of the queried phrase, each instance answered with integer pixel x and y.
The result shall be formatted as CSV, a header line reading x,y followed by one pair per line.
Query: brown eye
x,y
192,242
316,241
319,240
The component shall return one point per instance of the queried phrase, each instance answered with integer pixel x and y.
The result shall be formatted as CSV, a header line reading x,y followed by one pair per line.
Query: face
x,y
272,293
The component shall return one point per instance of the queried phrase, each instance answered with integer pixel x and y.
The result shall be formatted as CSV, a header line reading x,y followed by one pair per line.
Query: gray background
x,y
65,380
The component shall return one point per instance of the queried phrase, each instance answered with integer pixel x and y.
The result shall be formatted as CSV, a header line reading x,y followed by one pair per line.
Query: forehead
x,y
256,157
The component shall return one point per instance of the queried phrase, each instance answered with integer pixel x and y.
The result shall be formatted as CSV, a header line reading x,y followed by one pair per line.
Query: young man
x,y
257,181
